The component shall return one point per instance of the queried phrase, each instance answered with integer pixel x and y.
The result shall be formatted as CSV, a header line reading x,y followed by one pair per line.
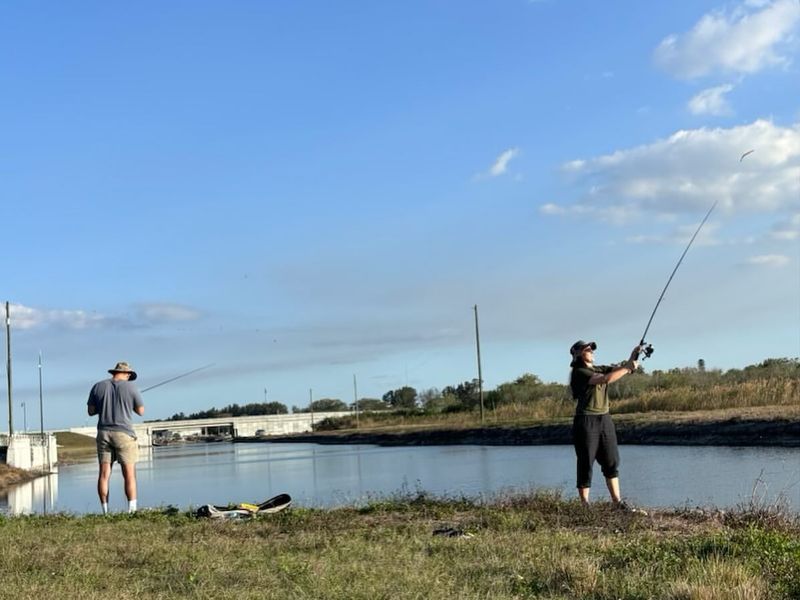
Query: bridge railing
x,y
35,439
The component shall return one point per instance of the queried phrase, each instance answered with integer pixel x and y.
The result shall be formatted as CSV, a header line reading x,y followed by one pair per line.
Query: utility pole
x,y
8,369
311,408
355,395
45,441
41,411
265,395
480,376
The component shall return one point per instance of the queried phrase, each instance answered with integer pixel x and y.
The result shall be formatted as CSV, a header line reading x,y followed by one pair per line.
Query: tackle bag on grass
x,y
245,510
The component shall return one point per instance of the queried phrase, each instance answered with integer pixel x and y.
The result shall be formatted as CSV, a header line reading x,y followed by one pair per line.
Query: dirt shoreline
x,y
734,431
11,476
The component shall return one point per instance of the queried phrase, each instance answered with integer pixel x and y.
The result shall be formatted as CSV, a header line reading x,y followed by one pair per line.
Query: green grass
x,y
528,546
74,446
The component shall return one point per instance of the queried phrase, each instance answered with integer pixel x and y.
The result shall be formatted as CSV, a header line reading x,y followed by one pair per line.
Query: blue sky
x,y
300,192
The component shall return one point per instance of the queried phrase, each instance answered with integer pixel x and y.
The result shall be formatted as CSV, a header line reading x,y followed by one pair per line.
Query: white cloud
x,y
616,214
501,163
785,234
165,312
26,317
645,239
688,171
787,230
705,237
552,209
768,260
711,101
681,236
750,37
574,165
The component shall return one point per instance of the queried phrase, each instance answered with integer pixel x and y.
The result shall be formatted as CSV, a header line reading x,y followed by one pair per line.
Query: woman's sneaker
x,y
629,508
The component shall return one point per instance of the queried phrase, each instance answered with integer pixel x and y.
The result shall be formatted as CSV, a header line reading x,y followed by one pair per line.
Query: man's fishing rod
x,y
176,377
645,348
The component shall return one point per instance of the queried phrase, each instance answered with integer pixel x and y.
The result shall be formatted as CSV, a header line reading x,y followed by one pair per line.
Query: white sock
x,y
131,506
104,506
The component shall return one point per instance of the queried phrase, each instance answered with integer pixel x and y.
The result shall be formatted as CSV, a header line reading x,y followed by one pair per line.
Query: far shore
x,y
720,428
758,427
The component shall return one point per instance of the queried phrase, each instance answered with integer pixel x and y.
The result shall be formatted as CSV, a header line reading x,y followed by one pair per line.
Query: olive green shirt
x,y
592,399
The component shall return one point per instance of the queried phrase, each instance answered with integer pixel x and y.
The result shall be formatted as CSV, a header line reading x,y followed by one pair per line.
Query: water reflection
x,y
192,475
37,496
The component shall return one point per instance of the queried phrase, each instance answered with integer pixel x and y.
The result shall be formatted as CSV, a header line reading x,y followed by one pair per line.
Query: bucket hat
x,y
123,367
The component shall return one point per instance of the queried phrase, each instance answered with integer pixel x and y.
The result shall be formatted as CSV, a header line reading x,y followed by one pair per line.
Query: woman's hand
x,y
637,350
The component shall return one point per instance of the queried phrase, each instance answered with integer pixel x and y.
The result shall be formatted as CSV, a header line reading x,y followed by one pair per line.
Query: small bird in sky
x,y
745,154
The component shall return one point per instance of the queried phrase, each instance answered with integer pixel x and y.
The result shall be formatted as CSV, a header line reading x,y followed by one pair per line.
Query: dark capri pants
x,y
595,438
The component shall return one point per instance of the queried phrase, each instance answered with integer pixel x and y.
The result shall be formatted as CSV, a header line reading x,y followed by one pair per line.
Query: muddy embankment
x,y
682,431
11,476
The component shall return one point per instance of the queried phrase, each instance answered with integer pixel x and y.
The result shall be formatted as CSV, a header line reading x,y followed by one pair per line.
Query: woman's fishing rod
x,y
647,349
176,377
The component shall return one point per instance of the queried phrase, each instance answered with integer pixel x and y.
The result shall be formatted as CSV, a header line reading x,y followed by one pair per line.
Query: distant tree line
x,y
234,410
335,405
322,405
683,384
529,388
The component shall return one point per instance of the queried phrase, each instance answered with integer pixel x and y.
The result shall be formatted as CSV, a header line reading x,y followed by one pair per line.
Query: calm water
x,y
315,475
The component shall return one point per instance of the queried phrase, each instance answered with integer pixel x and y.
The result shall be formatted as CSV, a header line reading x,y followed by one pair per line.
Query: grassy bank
x,y
73,446
535,546
527,415
719,428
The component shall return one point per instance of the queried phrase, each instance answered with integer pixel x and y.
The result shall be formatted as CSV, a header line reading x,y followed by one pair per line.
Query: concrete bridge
x,y
149,433
29,451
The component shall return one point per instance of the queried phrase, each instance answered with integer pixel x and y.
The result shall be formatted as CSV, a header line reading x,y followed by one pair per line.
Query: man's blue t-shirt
x,y
114,403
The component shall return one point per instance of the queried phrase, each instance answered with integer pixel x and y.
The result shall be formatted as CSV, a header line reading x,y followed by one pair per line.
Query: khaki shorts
x,y
117,446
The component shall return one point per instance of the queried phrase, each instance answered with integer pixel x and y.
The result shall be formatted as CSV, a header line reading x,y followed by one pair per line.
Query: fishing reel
x,y
646,349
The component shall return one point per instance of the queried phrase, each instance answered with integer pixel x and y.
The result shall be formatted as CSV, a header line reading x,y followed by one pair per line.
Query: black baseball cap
x,y
578,347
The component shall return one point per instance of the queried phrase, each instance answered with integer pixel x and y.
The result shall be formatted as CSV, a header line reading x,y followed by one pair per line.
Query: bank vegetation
x,y
526,546
770,387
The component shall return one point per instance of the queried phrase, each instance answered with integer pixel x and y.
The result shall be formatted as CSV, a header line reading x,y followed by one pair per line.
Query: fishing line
x,y
647,349
176,377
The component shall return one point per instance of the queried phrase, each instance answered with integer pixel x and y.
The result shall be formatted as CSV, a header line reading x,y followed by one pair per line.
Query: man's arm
x,y
91,405
138,405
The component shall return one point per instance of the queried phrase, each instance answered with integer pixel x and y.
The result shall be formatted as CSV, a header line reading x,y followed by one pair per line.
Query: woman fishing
x,y
593,432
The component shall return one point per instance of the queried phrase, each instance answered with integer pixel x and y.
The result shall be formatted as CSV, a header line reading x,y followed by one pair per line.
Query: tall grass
x,y
532,546
517,413
748,394
769,392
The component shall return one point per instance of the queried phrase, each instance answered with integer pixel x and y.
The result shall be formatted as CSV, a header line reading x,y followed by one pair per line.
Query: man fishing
x,y
115,400
593,432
